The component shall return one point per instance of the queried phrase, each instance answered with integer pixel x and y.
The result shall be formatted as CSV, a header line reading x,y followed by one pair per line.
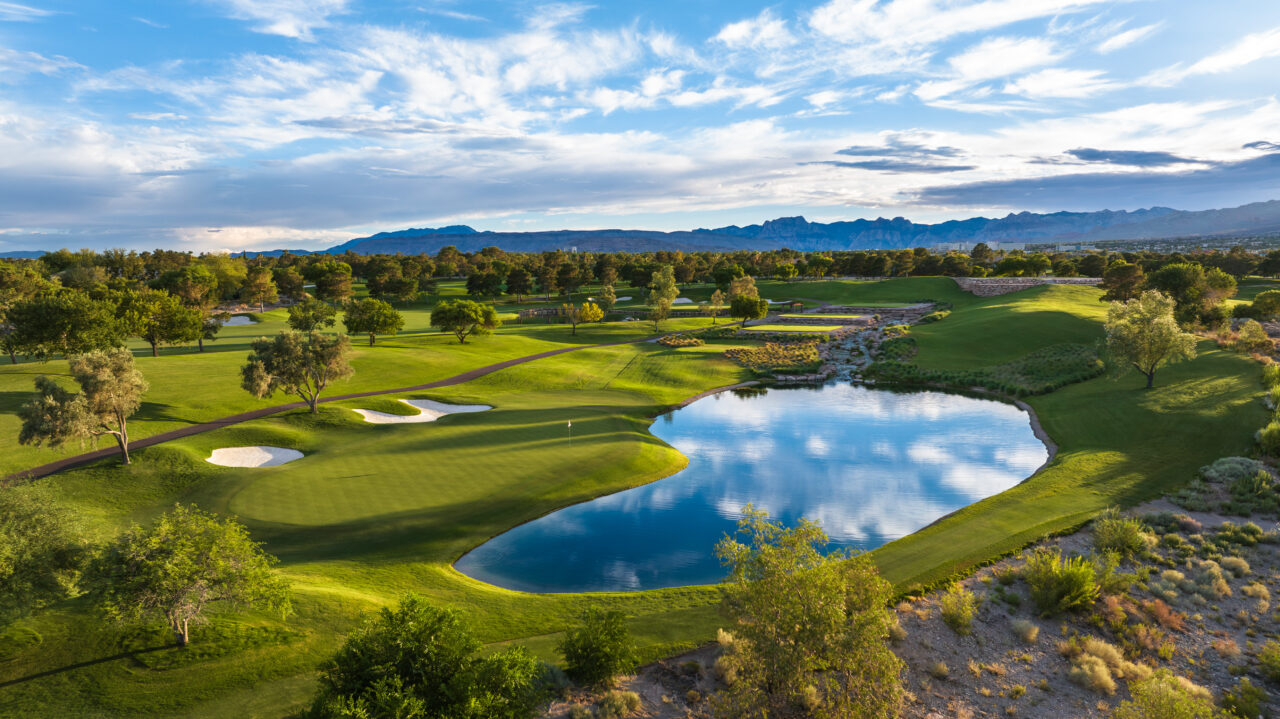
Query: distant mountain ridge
x,y
797,233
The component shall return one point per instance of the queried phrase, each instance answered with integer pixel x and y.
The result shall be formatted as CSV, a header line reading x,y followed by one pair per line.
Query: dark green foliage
x,y
1269,660
1126,536
464,318
297,364
1245,700
64,323
419,661
598,648
311,315
1040,372
898,349
1060,584
40,554
372,317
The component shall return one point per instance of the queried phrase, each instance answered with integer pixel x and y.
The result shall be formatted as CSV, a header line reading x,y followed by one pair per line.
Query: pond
x,y
871,465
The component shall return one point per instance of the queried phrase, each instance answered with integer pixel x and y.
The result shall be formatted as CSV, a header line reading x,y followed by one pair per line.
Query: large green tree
x,y
41,553
111,390
811,632
196,287
311,315
1121,281
419,661
158,318
372,317
259,287
1196,292
66,322
178,567
748,307
17,284
662,294
1143,334
295,363
464,318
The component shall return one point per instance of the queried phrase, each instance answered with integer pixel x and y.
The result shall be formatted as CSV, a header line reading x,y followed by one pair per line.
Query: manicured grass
x,y
822,314
374,511
794,328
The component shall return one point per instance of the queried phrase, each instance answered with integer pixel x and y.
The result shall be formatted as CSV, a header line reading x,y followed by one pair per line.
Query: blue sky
x,y
232,124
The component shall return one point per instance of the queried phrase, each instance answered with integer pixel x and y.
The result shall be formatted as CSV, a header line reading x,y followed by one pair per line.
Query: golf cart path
x,y
79,460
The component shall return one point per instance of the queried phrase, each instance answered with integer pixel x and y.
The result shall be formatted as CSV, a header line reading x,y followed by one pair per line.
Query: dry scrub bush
x,y
1165,696
939,670
1059,584
618,704
1226,648
1095,663
1125,536
1026,630
958,607
1269,660
1236,565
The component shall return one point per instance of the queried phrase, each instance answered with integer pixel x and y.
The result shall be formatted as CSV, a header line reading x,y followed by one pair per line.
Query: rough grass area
x,y
1044,370
772,358
793,328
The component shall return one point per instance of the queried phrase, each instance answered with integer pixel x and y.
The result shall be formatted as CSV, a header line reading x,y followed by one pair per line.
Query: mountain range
x,y
797,233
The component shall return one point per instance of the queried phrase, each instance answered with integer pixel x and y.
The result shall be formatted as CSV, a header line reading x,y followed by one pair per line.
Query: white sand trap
x,y
428,411
682,301
258,456
621,299
237,321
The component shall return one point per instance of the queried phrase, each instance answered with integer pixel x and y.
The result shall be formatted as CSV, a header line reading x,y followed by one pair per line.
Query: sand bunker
x,y
682,301
237,320
621,299
258,456
428,411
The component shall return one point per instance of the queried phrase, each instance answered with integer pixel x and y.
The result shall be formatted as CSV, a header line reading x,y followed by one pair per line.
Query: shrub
x,y
1095,663
680,341
1092,673
1229,469
1042,371
1236,565
1245,701
618,704
939,670
1165,696
1252,338
1026,630
1269,438
1125,536
958,607
598,649
1269,660
1271,375
1059,584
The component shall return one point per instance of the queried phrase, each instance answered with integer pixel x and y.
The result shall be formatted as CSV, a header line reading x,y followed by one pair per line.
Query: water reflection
x,y
871,465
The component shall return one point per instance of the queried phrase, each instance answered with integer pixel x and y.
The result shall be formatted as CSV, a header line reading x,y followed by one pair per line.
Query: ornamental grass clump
x,y
958,607
1060,584
1126,536
791,358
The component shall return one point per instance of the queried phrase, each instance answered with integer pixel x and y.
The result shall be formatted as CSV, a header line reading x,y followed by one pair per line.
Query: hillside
x,y
797,233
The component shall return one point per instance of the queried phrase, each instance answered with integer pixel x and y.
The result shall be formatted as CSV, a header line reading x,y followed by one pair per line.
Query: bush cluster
x,y
1060,584
774,358
1125,536
933,317
680,341
898,349
598,648
1042,371
786,337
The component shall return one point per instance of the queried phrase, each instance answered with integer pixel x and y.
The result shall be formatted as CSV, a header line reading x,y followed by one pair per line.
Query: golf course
x,y
555,415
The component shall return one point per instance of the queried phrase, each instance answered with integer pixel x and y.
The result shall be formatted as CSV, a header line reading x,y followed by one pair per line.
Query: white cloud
x,y
1248,50
1062,83
1002,56
14,63
762,31
1125,38
290,18
14,12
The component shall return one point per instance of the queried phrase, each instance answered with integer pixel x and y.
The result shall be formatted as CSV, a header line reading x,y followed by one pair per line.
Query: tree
x,y
1266,305
662,294
288,282
744,286
159,318
67,322
804,622
111,390
1193,290
41,554
334,285
197,288
1253,338
607,298
372,317
716,306
519,283
1122,282
569,279
419,661
311,315
260,287
298,364
748,308
598,648
786,272
484,285
464,318
1093,264
175,569
403,289
1142,333
17,284
1165,696
577,314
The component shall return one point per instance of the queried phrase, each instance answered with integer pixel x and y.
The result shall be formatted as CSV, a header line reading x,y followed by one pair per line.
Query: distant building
x,y
968,246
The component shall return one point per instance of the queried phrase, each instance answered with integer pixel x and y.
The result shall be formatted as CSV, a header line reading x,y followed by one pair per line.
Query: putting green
x,y
795,328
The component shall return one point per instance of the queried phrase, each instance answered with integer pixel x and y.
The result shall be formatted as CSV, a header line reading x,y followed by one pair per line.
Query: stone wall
x,y
992,286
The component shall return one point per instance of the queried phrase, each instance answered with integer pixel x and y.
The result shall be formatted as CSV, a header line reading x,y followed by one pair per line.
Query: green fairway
x,y
822,315
374,511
